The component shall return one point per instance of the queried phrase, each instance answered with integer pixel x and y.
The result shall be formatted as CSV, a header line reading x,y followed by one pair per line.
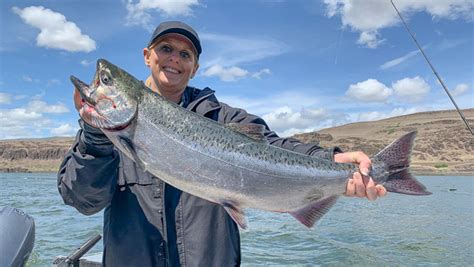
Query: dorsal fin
x,y
252,130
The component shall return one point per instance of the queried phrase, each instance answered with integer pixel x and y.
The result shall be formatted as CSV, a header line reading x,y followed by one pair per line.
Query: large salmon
x,y
227,164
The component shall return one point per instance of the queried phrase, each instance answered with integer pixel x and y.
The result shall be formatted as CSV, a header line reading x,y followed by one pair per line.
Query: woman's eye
x,y
105,78
166,49
184,54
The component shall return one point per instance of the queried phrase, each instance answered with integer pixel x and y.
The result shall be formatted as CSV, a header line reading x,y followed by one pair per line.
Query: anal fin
x,y
235,212
311,213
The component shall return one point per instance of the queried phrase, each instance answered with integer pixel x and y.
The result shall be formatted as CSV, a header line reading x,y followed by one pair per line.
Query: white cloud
x,y
63,130
370,90
27,78
229,51
370,38
460,89
139,12
378,115
21,123
86,63
226,74
369,16
286,121
30,120
225,52
55,31
5,98
258,74
411,89
43,107
396,61
230,74
18,116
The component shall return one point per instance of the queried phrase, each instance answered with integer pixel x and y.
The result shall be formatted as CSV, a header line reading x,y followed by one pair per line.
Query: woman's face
x,y
173,62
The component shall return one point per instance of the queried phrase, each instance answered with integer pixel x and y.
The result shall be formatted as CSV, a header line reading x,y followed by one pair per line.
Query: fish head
x,y
111,100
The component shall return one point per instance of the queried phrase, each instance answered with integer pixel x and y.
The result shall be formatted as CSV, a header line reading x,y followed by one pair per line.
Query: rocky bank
x,y
33,155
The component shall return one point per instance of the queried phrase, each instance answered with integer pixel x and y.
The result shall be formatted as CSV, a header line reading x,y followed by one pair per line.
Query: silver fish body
x,y
222,163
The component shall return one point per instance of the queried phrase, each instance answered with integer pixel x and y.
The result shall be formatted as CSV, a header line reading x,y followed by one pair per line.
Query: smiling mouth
x,y
171,70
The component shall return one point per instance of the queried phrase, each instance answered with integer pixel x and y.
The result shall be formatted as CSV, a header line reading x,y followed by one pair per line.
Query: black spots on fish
x,y
403,182
279,154
391,167
397,154
255,154
227,146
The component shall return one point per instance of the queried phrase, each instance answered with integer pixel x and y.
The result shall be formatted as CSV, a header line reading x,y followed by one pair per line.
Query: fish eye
x,y
104,78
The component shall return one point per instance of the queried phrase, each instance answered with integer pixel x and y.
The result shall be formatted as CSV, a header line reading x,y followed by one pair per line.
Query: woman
x,y
148,222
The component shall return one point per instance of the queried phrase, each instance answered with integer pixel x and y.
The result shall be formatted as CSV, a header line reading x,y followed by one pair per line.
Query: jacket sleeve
x,y
87,177
235,115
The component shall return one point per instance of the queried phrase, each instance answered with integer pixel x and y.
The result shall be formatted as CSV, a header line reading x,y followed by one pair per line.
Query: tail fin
x,y
391,167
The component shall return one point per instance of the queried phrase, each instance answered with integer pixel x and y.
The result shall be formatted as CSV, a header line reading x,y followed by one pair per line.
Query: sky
x,y
302,65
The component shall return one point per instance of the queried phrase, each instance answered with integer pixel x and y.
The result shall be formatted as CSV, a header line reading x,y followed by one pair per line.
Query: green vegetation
x,y
441,165
392,129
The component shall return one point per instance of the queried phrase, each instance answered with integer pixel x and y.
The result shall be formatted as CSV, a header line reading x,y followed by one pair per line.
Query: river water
x,y
397,230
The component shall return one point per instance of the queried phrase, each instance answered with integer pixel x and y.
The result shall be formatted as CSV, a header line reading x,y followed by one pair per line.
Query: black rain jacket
x,y
146,221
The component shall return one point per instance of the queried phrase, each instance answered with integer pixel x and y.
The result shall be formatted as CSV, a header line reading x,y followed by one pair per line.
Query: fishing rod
x,y
433,69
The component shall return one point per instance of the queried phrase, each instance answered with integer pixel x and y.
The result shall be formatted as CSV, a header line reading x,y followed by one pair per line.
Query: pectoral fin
x,y
311,213
128,145
235,212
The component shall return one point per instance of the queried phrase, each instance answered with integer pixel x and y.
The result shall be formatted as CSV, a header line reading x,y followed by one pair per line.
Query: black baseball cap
x,y
179,28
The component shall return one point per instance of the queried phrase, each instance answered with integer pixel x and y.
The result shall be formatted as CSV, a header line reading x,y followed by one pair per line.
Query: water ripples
x,y
395,231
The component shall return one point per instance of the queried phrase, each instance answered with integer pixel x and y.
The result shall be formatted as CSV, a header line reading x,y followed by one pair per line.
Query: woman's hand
x,y
360,185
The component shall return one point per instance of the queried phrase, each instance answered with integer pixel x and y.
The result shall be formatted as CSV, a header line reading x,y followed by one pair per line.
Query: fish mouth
x,y
83,89
88,110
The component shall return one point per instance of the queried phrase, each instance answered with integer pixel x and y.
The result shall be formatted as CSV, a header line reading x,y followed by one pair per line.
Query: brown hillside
x,y
33,155
443,144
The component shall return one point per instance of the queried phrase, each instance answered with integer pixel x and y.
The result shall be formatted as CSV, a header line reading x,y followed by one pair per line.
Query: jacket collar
x,y
202,101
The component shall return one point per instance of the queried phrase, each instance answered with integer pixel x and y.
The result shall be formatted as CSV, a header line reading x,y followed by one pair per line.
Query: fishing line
x,y
433,69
